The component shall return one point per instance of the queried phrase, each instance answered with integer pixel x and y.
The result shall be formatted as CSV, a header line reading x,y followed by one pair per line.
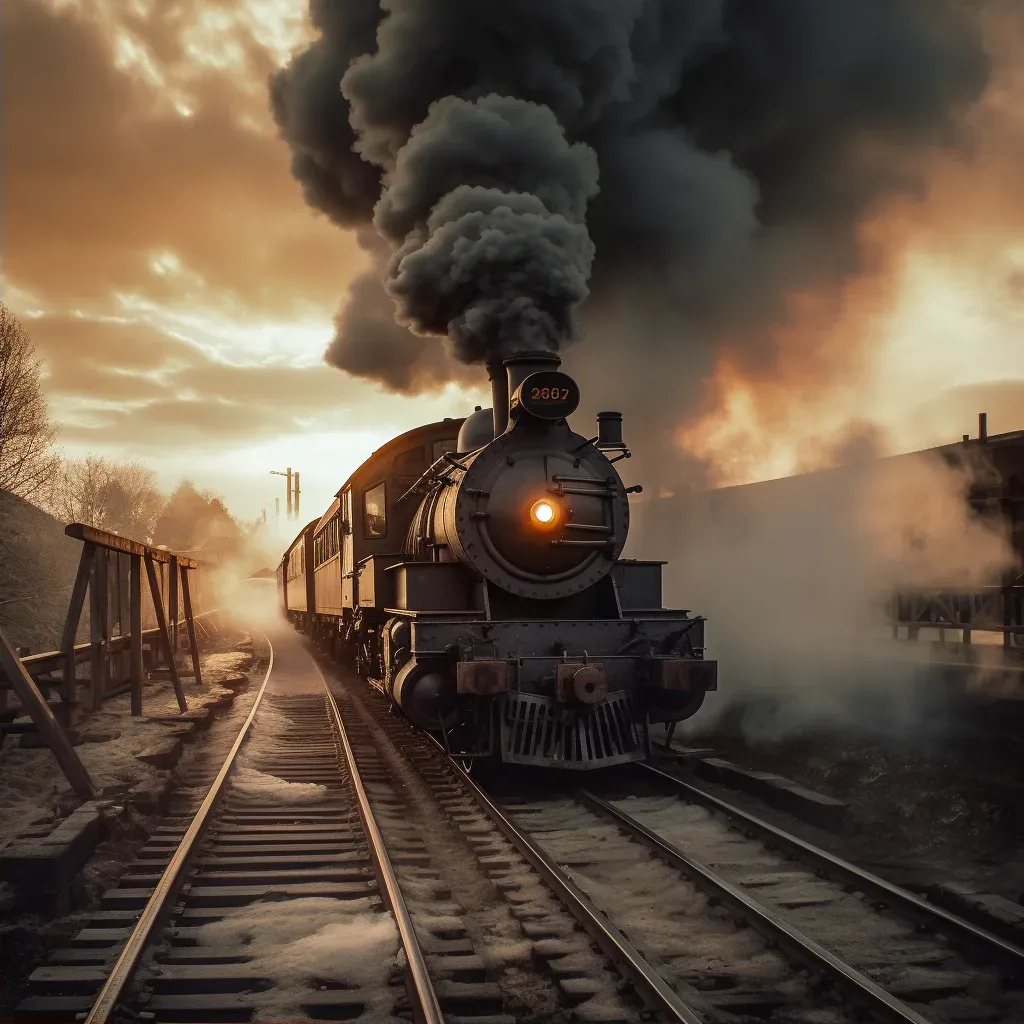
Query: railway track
x,y
859,941
336,865
330,872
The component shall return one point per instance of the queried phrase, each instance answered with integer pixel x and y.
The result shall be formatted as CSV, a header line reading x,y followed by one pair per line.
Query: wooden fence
x,y
143,604
992,609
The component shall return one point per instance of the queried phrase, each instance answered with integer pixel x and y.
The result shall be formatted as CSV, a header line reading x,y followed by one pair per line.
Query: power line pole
x,y
277,510
289,474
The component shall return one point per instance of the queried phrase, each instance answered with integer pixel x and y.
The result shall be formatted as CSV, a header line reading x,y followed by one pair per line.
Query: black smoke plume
x,y
740,145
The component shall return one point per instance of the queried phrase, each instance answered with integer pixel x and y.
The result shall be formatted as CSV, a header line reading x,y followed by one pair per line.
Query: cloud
x,y
126,383
99,174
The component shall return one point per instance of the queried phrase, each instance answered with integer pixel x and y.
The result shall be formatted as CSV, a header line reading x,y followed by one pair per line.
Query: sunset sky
x,y
181,292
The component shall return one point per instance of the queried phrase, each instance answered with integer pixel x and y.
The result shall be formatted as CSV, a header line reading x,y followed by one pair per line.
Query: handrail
x,y
115,542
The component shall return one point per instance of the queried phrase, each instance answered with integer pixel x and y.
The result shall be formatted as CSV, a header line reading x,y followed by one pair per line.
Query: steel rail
x,y
159,903
834,867
657,995
770,925
429,1010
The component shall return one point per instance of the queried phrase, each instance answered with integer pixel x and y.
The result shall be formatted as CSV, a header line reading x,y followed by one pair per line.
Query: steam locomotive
x,y
471,570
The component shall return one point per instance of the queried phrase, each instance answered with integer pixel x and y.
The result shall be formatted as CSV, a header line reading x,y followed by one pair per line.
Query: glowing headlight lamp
x,y
544,513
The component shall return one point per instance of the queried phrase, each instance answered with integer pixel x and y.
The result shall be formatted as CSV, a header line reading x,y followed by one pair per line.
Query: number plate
x,y
548,394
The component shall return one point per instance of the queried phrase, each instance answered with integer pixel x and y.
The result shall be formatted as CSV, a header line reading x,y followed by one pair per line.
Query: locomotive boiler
x,y
506,620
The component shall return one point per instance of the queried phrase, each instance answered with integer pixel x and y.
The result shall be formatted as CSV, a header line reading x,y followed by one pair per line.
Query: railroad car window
x,y
375,523
410,465
440,447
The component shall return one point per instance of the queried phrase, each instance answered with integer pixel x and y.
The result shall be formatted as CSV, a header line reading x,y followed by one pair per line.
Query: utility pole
x,y
277,510
289,475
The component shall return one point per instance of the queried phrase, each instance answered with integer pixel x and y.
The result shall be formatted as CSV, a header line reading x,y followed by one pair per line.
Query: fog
x,y
793,578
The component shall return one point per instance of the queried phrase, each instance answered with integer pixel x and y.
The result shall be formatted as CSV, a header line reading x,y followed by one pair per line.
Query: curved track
x,y
282,829
335,863
272,877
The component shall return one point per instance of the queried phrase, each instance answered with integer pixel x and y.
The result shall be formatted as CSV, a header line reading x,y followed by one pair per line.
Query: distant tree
x,y
191,517
121,497
27,459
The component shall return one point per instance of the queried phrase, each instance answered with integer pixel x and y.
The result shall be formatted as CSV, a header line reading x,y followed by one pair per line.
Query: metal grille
x,y
535,730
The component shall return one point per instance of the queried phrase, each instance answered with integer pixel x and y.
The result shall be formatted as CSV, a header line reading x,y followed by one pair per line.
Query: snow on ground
x,y
270,789
32,786
302,944
221,666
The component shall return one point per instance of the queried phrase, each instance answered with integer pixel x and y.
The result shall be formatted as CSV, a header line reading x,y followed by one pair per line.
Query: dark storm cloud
x,y
306,107
369,343
500,265
741,145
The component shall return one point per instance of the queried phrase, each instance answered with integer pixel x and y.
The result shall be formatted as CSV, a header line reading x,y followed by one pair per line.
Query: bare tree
x,y
121,497
27,459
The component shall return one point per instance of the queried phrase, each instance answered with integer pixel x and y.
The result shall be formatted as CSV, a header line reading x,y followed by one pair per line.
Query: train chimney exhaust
x,y
521,366
982,426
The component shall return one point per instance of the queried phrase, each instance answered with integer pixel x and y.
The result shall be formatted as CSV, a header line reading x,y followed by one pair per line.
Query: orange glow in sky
x,y
181,293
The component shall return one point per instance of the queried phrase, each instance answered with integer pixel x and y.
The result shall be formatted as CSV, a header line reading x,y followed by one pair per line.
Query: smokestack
x,y
499,397
982,426
521,366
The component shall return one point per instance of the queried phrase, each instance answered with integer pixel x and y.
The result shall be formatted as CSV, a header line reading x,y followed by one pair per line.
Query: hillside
x,y
37,571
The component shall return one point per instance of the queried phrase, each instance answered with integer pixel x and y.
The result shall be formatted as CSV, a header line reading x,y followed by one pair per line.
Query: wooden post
x,y
172,602
161,623
98,628
135,615
190,625
67,640
32,700
124,612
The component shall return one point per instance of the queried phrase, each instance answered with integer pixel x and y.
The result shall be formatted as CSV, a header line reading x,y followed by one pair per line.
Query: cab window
x,y
410,465
440,447
375,523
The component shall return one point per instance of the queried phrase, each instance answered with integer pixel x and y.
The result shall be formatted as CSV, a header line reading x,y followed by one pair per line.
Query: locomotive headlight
x,y
544,513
